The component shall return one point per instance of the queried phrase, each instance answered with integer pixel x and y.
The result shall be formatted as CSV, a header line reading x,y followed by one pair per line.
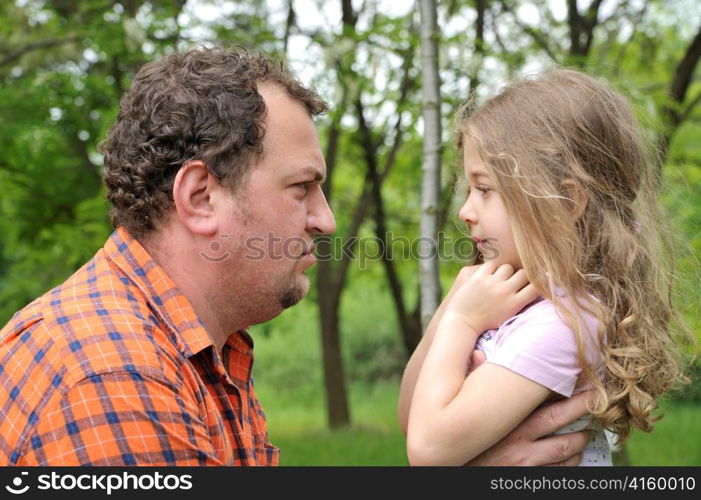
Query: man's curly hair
x,y
201,104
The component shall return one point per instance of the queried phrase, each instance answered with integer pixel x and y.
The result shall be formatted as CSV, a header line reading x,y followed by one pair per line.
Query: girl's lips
x,y
482,240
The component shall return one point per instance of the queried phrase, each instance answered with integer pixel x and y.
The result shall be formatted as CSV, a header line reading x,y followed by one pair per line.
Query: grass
x,y
675,440
374,439
301,433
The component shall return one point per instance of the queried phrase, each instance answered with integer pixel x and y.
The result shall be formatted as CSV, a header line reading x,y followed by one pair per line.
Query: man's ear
x,y
192,197
577,196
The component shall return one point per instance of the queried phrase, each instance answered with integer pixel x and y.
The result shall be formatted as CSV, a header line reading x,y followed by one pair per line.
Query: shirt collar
x,y
164,297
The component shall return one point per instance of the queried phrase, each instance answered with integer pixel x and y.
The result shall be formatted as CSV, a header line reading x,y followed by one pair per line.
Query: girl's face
x,y
485,213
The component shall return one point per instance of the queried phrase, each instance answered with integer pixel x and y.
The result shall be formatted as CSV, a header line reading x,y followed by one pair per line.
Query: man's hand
x,y
524,446
476,358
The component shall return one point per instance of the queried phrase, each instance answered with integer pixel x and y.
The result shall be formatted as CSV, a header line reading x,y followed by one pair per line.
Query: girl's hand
x,y
463,275
489,296
461,278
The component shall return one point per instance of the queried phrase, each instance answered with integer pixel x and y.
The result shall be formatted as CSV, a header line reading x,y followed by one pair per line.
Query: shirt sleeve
x,y
541,347
122,418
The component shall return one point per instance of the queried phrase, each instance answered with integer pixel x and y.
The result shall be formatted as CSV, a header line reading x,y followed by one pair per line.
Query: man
x,y
213,170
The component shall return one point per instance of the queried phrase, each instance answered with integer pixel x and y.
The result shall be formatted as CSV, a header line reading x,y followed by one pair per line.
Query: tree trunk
x,y
289,23
41,44
672,115
481,6
334,382
409,326
329,289
330,278
431,168
581,30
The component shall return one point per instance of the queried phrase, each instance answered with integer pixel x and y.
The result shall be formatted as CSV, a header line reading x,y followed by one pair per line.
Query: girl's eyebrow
x,y
478,174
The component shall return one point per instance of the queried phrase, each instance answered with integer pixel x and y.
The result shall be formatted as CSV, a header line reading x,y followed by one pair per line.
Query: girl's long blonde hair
x,y
547,143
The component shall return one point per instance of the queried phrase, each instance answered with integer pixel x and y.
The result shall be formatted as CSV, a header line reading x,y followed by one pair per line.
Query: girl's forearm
x,y
413,367
441,380
411,372
445,365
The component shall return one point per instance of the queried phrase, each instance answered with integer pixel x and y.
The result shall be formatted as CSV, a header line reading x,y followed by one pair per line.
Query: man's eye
x,y
304,185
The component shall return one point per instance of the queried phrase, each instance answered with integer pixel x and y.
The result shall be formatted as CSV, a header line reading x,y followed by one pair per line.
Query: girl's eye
x,y
481,188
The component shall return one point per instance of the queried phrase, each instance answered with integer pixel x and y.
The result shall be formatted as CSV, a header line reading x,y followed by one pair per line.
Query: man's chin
x,y
295,292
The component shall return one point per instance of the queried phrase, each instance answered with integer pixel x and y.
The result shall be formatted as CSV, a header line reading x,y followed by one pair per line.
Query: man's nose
x,y
321,219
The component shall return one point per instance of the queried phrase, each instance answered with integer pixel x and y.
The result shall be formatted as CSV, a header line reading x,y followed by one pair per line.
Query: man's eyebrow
x,y
311,171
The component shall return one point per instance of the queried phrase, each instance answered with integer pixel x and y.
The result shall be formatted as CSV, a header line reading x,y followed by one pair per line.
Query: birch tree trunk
x,y
431,167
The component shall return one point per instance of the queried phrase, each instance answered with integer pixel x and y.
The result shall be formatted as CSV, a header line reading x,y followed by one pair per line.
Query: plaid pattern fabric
x,y
113,367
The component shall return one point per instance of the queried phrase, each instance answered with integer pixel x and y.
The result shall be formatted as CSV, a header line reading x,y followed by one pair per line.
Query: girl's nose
x,y
467,213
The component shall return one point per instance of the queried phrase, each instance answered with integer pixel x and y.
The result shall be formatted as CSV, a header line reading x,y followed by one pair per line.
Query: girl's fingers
x,y
527,294
504,272
466,272
519,279
486,269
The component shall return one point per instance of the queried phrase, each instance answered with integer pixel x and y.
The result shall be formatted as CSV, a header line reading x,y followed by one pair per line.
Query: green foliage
x,y
52,253
683,202
288,350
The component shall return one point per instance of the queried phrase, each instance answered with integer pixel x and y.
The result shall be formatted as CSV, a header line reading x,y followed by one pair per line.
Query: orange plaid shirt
x,y
113,367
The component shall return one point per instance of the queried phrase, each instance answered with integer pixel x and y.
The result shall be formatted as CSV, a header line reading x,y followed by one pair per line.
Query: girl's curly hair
x,y
201,104
538,138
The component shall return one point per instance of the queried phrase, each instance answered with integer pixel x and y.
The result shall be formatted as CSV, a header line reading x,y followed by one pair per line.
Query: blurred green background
x,y
64,65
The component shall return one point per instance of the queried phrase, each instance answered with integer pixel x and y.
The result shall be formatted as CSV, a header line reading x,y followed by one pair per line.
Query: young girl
x,y
562,195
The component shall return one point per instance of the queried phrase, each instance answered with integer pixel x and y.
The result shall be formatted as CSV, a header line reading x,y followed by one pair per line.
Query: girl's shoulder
x,y
540,344
547,316
543,325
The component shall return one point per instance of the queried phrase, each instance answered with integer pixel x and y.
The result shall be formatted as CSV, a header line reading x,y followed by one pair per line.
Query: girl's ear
x,y
577,195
